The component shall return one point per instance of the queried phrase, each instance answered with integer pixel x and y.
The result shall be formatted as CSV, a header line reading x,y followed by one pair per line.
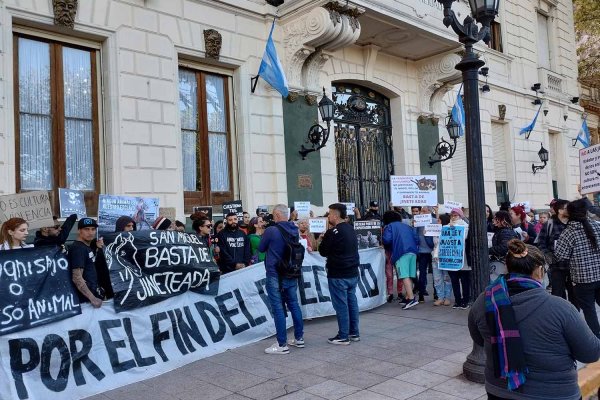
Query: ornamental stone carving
x,y
212,43
433,76
64,12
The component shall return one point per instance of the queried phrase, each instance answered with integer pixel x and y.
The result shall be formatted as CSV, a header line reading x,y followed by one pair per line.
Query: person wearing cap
x,y
163,224
82,262
55,235
461,279
372,212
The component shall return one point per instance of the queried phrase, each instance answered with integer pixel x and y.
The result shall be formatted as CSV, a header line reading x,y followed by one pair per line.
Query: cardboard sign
x,y
71,202
368,233
433,230
234,206
303,209
589,169
452,248
422,220
524,204
143,211
349,208
317,225
418,190
168,212
33,207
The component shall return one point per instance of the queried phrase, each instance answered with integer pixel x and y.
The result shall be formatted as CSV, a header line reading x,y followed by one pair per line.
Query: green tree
x,y
587,30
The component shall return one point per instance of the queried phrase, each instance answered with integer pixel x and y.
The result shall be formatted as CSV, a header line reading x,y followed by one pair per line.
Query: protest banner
x,y
349,208
168,212
368,233
234,206
33,207
149,267
36,288
589,169
143,211
422,220
418,190
525,204
317,225
452,248
303,209
433,230
71,202
99,350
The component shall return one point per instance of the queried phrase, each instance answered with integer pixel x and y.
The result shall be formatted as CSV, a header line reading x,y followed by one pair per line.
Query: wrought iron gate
x,y
363,143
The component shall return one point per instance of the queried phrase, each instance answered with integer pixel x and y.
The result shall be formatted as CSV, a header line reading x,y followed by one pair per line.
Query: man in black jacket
x,y
234,246
341,249
55,235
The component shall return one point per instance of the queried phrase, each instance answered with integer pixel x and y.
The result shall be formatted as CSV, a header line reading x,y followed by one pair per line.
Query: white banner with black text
x,y
100,350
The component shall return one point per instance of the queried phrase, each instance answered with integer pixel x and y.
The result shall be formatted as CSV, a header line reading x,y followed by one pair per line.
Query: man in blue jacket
x,y
280,290
403,243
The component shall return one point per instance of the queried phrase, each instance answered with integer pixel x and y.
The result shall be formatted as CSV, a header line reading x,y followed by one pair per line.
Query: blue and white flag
x,y
270,67
529,128
458,112
584,135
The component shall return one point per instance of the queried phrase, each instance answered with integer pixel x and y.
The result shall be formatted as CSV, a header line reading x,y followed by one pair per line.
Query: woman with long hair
x,y
579,245
518,218
489,217
13,234
532,339
503,233
256,228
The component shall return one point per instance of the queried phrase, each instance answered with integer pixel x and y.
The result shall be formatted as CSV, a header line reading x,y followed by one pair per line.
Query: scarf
x,y
507,347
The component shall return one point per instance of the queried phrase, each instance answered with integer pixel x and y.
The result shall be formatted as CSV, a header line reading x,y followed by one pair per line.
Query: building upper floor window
x,y
543,39
56,118
496,36
206,138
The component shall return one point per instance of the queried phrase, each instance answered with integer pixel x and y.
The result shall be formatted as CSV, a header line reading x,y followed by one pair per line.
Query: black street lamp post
x,y
484,12
317,135
444,150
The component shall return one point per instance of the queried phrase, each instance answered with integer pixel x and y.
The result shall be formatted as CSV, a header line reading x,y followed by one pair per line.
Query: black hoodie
x,y
122,223
234,248
62,237
340,247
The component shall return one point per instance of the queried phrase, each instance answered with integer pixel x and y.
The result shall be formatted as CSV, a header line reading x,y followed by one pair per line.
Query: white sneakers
x,y
296,343
275,348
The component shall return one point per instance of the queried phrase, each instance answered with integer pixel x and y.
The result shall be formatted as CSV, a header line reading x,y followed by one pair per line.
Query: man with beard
x,y
234,246
55,235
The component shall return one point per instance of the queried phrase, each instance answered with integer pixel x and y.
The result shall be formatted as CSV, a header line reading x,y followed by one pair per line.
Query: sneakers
x,y
337,340
411,303
464,306
446,302
402,300
297,343
390,298
277,349
421,299
438,302
354,338
456,306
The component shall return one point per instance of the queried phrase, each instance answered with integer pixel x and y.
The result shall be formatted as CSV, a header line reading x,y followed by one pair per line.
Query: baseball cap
x,y
373,204
87,223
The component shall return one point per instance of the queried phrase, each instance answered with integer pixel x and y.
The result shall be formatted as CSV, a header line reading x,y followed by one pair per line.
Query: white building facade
x,y
153,98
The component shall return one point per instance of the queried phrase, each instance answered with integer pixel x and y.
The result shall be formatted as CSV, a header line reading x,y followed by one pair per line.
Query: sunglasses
x,y
207,226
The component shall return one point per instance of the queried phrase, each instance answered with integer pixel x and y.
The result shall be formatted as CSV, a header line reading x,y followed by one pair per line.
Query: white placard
x,y
422,220
450,204
303,209
490,235
317,225
525,204
433,230
521,233
349,208
589,169
409,190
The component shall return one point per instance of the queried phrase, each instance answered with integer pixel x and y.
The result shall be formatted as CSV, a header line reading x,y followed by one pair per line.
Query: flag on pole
x,y
271,69
583,136
527,130
458,112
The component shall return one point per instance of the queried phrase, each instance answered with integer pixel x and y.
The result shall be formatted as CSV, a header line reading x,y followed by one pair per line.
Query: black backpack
x,y
290,265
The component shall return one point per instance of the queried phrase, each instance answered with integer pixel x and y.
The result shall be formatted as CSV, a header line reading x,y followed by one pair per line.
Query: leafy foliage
x,y
587,30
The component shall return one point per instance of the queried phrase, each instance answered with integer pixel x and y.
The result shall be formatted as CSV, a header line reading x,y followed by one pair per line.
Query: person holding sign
x,y
461,279
55,235
13,234
531,339
82,262
441,278
521,226
311,243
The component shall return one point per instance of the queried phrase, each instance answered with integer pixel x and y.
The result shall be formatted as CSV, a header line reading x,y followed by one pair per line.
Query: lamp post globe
x,y
453,128
543,154
326,108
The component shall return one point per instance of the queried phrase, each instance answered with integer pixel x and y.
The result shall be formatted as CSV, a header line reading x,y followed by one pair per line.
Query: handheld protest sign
x,y
450,204
422,220
234,206
317,225
143,211
451,248
33,207
409,190
71,202
349,208
589,159
368,233
302,208
433,230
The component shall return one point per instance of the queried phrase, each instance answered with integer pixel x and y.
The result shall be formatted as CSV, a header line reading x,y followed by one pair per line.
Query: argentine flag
x,y
270,67
458,113
584,134
530,127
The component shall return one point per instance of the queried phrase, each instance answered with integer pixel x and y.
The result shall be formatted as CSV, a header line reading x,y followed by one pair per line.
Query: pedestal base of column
x,y
474,367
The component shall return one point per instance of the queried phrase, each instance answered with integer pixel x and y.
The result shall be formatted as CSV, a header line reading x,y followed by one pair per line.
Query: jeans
x,y
389,276
423,261
441,282
588,294
277,297
560,279
343,298
461,278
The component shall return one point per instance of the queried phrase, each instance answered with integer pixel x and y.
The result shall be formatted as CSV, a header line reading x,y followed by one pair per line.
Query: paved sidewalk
x,y
412,354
